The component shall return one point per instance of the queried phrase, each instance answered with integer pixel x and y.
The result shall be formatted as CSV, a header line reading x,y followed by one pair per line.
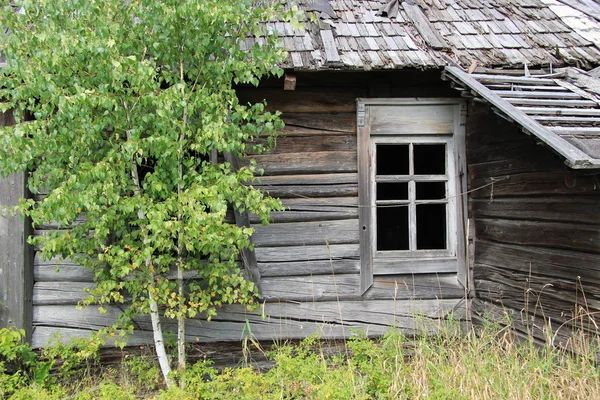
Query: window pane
x,y
430,159
431,190
392,159
392,191
392,228
431,226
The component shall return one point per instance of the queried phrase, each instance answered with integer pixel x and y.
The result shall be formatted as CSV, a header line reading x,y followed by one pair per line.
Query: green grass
x,y
488,363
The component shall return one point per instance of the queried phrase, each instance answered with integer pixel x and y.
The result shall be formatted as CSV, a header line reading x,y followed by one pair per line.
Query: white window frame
x,y
412,261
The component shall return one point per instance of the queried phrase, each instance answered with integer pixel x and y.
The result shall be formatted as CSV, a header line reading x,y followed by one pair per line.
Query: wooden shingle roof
x,y
562,110
389,34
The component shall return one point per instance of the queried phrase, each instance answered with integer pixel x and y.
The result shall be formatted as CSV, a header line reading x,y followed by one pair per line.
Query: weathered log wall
x,y
537,231
308,257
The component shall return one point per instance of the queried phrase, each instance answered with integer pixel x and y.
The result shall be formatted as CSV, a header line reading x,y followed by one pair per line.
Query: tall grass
x,y
488,362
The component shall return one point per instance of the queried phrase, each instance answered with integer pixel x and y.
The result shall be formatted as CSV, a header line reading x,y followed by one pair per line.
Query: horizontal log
x,y
306,179
582,209
300,163
308,216
321,204
535,183
62,273
56,293
485,79
416,266
313,142
299,191
511,166
300,124
307,233
552,263
315,267
329,320
304,100
529,327
542,234
307,253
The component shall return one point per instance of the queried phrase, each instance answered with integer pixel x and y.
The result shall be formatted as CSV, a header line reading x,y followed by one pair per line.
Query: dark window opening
x,y
392,191
429,159
431,226
392,228
392,159
431,190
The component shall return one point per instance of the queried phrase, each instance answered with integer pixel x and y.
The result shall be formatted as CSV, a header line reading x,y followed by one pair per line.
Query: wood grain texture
x,y
301,163
329,320
16,256
305,100
412,119
307,253
306,233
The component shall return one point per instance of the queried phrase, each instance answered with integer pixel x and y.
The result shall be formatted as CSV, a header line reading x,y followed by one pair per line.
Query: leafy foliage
x,y
119,106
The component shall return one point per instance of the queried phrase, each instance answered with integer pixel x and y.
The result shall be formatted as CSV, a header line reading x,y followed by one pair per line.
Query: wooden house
x,y
440,158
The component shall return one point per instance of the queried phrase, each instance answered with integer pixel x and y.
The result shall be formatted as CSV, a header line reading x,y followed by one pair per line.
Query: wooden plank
x,y
560,111
566,119
299,163
307,253
321,204
576,130
343,287
580,209
543,234
550,262
575,157
415,266
485,79
311,179
306,233
536,95
316,267
550,102
307,216
330,320
313,141
46,293
16,255
429,33
241,219
365,159
298,124
62,272
535,183
331,54
304,100
310,191
411,119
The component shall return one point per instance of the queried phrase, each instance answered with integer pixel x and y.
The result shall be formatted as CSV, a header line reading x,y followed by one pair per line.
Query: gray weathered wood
x,y
307,253
16,256
566,119
544,234
364,198
331,54
580,209
560,111
575,157
303,191
548,262
415,266
46,293
412,119
308,216
311,179
484,78
305,100
308,233
313,141
421,22
330,319
536,95
315,267
550,102
242,219
299,163
311,124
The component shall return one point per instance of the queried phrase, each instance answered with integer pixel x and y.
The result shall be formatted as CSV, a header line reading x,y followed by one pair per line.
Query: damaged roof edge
x,y
574,157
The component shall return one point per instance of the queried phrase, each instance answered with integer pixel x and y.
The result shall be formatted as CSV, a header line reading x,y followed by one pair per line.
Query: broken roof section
x,y
386,34
561,110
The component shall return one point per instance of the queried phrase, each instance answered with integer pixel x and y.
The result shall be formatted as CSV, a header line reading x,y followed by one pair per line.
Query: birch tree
x,y
120,105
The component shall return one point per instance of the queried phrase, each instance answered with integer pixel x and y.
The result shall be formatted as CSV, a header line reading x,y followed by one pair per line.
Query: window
x,y
411,164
